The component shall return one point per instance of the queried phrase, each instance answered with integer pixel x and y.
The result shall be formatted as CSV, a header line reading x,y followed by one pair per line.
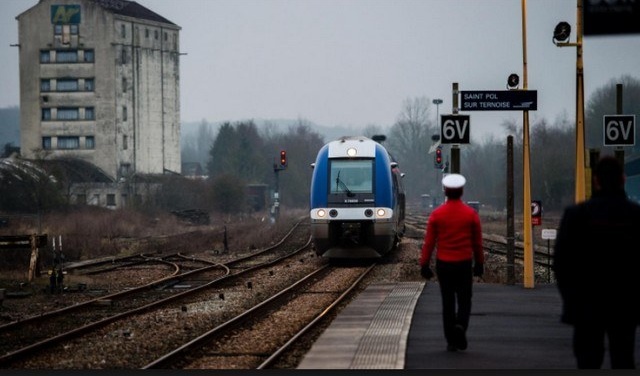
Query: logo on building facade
x,y
65,14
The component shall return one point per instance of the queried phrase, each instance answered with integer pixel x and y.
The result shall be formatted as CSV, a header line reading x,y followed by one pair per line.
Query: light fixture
x,y
562,32
513,81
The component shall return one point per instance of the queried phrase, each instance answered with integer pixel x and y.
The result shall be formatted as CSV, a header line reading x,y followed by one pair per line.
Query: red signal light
x,y
437,161
283,158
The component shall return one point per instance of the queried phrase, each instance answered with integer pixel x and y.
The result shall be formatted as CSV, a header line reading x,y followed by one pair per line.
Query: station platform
x,y
399,326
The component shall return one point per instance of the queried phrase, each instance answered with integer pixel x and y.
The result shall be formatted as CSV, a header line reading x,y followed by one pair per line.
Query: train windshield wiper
x,y
344,186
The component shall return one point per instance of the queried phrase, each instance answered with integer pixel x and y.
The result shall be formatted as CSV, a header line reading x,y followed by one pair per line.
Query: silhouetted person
x,y
52,280
60,280
596,264
454,230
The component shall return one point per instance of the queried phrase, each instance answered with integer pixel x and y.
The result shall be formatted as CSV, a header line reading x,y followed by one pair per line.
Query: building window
x,y
68,113
146,33
123,56
45,56
89,84
111,199
165,36
73,28
68,142
45,85
67,85
89,113
66,56
125,169
124,84
123,31
89,56
46,143
89,142
46,114
57,29
124,113
125,142
155,34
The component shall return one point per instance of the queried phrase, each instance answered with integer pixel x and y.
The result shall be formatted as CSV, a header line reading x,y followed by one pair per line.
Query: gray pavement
x,y
511,327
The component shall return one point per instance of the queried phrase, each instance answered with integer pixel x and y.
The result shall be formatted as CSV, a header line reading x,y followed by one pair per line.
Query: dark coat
x,y
597,259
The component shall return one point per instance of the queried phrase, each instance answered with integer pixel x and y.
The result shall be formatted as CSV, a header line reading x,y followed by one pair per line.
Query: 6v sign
x,y
619,130
455,129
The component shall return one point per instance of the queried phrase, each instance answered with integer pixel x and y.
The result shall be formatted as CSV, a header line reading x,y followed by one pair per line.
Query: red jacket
x,y
455,228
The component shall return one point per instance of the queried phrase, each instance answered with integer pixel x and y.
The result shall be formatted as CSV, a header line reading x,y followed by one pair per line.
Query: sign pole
x,y
580,159
619,151
548,260
526,207
455,149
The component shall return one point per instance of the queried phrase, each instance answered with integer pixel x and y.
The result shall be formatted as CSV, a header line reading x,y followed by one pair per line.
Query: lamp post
x,y
513,81
560,38
437,102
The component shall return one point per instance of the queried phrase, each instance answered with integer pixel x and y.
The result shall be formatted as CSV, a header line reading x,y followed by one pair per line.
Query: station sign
x,y
536,213
619,130
611,17
549,234
455,129
500,100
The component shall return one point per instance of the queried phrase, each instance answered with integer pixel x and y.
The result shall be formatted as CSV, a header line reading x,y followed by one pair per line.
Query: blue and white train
x,y
357,200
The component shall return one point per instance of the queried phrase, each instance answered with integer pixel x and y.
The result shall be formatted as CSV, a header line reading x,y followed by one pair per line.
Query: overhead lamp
x,y
562,32
513,81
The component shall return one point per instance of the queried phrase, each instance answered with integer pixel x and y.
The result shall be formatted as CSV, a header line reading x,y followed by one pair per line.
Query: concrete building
x,y
99,81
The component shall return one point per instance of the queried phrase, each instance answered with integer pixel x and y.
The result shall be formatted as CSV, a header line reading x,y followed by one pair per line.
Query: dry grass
x,y
93,233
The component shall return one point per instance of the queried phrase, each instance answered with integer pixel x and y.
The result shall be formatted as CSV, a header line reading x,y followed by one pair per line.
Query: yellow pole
x,y
526,205
580,158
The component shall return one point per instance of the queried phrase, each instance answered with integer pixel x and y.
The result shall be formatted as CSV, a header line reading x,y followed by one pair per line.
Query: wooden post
x,y
511,275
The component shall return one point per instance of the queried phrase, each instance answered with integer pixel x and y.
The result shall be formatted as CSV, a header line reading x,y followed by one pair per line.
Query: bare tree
x,y
603,102
409,141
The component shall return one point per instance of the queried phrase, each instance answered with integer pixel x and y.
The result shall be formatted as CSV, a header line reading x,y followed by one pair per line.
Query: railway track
x,y
27,338
257,337
493,244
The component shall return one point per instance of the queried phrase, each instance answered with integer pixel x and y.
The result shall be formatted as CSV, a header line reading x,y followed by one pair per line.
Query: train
x,y
357,200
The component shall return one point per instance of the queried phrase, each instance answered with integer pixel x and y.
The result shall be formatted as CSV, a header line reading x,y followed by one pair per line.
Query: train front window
x,y
351,177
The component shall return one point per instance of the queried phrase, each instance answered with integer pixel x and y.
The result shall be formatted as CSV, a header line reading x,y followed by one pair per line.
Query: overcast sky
x,y
353,62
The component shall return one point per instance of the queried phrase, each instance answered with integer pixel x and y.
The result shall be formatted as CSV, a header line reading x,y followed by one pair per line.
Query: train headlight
x,y
321,213
352,152
333,213
380,212
368,213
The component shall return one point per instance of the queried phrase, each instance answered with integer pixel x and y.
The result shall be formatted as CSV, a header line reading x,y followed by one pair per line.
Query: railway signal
x,y
437,161
277,167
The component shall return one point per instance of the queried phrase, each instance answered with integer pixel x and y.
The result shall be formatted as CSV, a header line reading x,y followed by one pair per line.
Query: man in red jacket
x,y
454,230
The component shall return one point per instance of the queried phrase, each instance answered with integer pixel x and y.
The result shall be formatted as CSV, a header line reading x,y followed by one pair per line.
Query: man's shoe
x,y
460,337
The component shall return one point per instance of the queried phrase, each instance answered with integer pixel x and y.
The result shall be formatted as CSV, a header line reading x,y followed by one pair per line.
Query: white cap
x,y
453,181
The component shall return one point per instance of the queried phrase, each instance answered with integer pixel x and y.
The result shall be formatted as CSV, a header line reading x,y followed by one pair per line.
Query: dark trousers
x,y
589,348
455,280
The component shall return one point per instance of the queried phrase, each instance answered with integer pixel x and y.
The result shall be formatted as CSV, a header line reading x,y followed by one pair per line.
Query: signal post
x,y
277,167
